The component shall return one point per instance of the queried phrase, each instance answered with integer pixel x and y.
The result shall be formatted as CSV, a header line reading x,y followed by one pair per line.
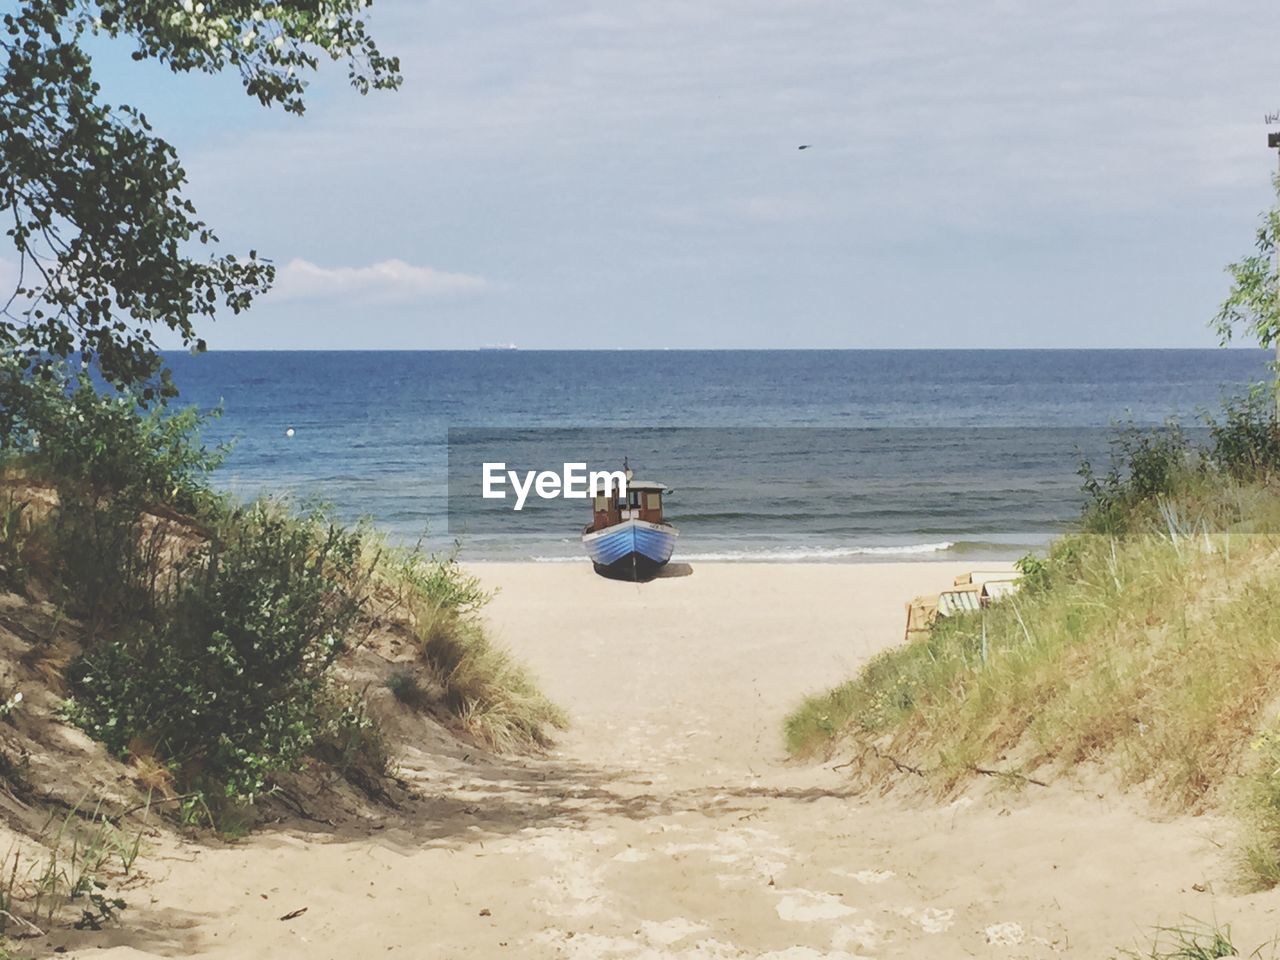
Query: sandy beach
x,y
348,345
667,822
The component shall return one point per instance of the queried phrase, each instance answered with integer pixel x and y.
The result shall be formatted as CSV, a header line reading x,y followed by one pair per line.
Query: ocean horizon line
x,y
661,350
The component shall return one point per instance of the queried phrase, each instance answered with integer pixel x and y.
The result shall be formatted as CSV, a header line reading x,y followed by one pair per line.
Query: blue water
x,y
920,453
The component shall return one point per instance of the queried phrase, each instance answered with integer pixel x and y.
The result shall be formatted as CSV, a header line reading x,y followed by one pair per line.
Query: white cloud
x,y
641,161
388,281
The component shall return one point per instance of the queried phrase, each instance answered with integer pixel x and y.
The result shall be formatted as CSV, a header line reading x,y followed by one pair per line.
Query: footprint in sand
x,y
809,906
1005,934
862,935
666,932
930,920
864,877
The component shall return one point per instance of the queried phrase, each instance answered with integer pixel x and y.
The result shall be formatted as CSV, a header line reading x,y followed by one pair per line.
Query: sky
x,y
588,174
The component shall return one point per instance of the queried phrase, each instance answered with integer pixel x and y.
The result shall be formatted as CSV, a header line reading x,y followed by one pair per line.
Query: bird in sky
x,y
804,146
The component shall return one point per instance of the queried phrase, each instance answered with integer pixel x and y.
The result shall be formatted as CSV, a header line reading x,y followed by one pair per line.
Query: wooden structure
x,y
643,501
970,593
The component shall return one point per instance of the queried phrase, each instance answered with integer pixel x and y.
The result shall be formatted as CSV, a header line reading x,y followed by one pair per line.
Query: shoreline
x,y
785,557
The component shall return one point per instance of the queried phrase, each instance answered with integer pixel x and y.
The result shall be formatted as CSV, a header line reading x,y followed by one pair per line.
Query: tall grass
x,y
1149,641
492,695
1192,941
1161,653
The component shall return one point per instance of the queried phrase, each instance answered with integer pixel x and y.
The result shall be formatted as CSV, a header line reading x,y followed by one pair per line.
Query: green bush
x,y
348,738
93,446
226,684
110,462
1145,465
1152,465
1245,444
437,579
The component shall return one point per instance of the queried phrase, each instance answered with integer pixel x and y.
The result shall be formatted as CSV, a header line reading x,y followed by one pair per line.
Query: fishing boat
x,y
628,538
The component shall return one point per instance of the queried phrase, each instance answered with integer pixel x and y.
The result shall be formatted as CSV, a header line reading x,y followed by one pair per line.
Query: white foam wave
x,y
820,553
791,554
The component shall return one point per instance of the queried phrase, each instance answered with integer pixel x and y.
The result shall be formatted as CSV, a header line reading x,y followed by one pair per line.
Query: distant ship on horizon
x,y
499,346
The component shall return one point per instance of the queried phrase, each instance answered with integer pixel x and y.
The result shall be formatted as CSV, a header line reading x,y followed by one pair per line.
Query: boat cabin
x,y
643,501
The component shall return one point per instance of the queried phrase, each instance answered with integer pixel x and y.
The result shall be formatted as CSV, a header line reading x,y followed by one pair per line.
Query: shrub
x,y
210,644
93,446
349,739
227,683
107,563
111,463
437,580
1149,466
1245,444
1145,465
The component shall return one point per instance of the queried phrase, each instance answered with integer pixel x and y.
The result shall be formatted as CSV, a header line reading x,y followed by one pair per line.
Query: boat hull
x,y
630,550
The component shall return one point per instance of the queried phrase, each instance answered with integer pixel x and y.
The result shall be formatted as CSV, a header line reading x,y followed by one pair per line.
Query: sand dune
x,y
668,824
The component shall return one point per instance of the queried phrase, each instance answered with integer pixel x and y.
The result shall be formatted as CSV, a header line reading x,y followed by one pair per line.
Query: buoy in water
x,y
289,432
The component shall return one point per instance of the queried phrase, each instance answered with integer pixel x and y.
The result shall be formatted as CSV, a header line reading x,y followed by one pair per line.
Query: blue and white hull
x,y
631,550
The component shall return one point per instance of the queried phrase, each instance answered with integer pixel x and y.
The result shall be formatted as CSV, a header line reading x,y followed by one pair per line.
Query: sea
x,y
804,455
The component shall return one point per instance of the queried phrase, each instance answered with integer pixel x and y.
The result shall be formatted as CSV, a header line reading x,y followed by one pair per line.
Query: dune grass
x,y
1163,652
1156,652
1191,941
493,696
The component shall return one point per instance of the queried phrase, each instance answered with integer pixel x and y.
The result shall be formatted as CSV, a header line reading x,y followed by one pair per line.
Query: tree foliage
x,y
109,249
1253,305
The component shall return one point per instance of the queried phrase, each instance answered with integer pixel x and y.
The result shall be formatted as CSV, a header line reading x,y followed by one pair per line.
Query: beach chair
x,y
994,590
959,600
921,612
976,578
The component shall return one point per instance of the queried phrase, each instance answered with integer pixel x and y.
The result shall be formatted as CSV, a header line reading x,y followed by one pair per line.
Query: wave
x,y
789,554
819,553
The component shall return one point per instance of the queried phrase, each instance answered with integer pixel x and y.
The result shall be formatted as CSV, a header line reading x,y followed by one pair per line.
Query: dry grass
x,y
1158,654
492,695
1192,941
150,772
48,662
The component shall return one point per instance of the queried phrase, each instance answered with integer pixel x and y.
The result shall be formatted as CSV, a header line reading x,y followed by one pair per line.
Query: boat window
x,y
601,504
653,501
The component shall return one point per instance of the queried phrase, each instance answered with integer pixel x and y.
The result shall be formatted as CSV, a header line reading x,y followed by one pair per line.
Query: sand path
x,y
667,823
